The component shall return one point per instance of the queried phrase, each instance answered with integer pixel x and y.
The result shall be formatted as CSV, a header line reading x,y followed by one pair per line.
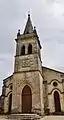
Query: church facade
x,y
32,88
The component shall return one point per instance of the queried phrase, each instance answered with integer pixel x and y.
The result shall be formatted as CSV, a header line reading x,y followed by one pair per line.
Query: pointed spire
x,y
28,27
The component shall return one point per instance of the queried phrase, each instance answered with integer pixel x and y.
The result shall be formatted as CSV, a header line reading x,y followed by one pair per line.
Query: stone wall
x,y
32,79
7,83
52,76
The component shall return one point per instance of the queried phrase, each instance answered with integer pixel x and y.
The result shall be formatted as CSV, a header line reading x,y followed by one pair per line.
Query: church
x,y
32,88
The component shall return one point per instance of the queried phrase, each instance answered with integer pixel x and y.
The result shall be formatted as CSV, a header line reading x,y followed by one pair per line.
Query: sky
x,y
47,16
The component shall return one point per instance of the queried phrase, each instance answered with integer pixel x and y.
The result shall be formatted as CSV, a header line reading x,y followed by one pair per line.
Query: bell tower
x,y
28,71
27,49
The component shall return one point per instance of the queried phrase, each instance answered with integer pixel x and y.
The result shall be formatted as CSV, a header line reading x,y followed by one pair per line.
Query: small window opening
x,y
55,84
30,49
23,50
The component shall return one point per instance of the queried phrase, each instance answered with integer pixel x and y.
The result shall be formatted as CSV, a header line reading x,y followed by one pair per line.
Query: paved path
x,y
3,118
45,118
53,118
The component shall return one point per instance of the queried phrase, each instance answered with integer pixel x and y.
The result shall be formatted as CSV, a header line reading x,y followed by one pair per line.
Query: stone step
x,y
20,117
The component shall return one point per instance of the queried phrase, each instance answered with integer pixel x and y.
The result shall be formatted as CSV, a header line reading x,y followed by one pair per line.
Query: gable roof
x,y
43,67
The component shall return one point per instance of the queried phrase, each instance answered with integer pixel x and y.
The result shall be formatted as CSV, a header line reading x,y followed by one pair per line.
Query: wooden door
x,y
26,99
57,102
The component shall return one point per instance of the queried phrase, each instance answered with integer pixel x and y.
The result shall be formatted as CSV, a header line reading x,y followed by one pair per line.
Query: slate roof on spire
x,y
28,27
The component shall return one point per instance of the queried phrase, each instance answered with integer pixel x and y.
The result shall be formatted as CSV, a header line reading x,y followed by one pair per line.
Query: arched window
x,y
57,102
30,49
10,103
23,50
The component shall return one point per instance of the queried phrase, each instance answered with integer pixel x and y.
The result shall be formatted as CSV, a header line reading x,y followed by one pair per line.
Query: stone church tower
x,y
32,88
27,78
25,88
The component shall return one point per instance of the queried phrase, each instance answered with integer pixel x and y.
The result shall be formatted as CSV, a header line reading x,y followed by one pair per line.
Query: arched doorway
x,y
26,99
10,103
57,102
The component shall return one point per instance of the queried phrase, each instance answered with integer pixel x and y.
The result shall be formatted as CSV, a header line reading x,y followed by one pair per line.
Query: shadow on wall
x,y
1,104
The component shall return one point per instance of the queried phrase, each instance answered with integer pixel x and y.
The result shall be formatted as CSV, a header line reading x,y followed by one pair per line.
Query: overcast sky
x,y
47,16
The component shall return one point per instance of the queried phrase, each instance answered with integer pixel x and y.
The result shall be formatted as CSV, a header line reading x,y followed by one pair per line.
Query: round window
x,y
55,84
